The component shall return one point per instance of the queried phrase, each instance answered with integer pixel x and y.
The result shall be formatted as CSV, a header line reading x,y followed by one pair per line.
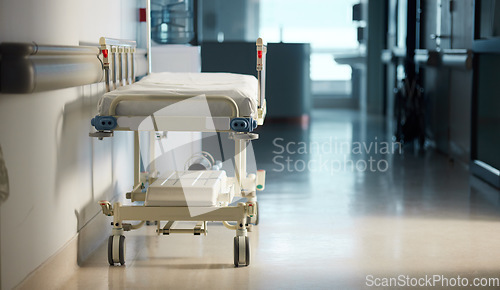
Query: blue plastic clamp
x,y
243,124
104,123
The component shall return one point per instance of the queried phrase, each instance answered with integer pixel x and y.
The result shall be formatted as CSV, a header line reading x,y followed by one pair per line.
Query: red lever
x,y
105,53
259,53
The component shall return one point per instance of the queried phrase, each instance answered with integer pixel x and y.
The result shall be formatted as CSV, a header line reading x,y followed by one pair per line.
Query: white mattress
x,y
186,188
241,88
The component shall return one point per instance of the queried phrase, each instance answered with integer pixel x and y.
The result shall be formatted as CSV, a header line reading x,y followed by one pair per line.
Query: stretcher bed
x,y
199,102
240,88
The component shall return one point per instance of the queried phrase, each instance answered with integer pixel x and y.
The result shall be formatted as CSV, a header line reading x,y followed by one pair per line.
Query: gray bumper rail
x,y
29,67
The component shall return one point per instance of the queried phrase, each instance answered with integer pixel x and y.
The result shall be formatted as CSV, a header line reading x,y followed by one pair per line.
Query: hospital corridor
x,y
323,231
250,144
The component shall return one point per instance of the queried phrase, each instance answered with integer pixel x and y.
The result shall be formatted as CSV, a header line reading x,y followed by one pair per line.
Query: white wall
x,y
57,173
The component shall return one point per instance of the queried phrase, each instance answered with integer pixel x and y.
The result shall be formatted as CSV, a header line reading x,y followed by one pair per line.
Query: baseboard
x,y
485,172
56,270
59,268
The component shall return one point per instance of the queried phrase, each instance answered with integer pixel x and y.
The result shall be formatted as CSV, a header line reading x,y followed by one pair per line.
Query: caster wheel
x,y
241,251
116,250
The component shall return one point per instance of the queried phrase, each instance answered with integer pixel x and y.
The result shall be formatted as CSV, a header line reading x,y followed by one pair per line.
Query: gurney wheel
x,y
241,245
116,250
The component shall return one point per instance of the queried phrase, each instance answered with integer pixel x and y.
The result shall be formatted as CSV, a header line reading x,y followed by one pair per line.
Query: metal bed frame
x,y
118,63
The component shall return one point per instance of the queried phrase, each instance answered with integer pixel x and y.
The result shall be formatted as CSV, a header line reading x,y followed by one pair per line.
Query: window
x,y
326,25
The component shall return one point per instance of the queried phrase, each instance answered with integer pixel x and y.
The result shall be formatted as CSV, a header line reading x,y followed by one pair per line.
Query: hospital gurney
x,y
199,102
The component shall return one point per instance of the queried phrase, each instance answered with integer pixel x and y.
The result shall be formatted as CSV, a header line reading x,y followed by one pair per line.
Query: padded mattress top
x,y
241,88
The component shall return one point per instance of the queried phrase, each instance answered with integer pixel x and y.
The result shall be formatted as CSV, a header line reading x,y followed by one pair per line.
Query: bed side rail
x,y
234,122
261,77
118,56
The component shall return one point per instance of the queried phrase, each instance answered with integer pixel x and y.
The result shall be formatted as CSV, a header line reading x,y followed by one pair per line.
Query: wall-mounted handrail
x,y
454,58
30,68
458,58
391,55
426,57
21,49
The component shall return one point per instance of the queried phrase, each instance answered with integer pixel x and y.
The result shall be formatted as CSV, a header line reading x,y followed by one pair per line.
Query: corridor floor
x,y
343,207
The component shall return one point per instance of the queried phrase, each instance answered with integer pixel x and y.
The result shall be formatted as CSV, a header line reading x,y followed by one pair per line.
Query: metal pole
x,y
148,32
137,159
240,160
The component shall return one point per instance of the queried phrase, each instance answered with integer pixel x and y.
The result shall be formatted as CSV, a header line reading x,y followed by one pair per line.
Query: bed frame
x,y
118,63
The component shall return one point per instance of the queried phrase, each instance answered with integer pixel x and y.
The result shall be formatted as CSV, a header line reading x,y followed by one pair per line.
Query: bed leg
x,y
241,241
253,210
240,158
116,242
137,159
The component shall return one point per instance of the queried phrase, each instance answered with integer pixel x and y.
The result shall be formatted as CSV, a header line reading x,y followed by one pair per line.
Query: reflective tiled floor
x,y
329,220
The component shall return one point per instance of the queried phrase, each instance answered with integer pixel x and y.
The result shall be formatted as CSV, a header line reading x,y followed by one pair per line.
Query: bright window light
x,y
326,25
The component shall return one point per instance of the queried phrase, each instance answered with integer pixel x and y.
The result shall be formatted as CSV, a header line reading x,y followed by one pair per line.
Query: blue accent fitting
x,y
104,123
243,124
